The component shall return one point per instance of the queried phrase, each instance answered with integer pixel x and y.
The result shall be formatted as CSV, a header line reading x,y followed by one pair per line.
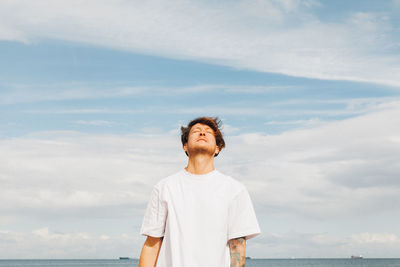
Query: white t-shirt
x,y
197,215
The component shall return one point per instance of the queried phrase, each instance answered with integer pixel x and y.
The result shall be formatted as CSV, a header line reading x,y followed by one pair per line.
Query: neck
x,y
200,164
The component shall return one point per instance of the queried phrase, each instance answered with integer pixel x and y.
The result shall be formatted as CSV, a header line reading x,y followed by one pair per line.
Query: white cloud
x,y
368,21
342,169
319,245
42,243
68,174
387,238
396,3
9,34
272,36
228,129
326,171
330,169
46,243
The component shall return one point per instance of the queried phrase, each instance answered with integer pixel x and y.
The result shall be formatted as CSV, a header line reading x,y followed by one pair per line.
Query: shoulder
x,y
168,180
168,183
232,184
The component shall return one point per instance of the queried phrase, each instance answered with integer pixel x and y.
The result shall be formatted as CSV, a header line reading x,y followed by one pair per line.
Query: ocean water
x,y
249,263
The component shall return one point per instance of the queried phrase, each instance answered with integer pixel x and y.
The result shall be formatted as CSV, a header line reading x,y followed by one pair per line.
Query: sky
x,y
93,95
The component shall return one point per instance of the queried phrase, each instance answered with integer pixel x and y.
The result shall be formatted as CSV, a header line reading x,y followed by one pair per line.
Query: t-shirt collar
x,y
199,176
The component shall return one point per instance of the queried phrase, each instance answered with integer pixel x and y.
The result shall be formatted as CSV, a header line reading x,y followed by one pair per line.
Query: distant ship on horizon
x,y
356,257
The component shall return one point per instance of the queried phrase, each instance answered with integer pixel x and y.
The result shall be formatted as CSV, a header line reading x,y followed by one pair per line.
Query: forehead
x,y
201,126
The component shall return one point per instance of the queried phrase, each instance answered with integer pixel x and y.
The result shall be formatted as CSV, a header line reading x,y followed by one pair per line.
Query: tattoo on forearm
x,y
237,249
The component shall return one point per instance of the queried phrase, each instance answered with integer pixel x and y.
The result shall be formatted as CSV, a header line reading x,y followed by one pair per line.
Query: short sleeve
x,y
242,220
155,216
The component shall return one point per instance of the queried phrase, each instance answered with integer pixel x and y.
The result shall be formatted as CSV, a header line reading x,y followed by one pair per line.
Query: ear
x,y
216,151
185,147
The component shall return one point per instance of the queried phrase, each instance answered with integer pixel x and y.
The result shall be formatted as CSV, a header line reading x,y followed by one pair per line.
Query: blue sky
x,y
92,95
112,87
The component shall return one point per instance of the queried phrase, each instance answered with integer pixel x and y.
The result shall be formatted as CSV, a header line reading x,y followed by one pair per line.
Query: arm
x,y
150,250
237,248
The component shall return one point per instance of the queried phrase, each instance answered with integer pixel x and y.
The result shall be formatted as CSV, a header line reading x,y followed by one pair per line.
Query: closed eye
x,y
210,131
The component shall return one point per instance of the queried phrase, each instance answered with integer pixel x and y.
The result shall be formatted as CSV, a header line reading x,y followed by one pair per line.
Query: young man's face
x,y
201,140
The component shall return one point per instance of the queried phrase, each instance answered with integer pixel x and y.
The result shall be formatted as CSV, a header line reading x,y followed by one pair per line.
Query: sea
x,y
249,263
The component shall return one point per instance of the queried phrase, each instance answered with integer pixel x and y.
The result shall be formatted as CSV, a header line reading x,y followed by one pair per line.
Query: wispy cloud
x,y
305,123
272,36
350,107
94,122
21,93
87,111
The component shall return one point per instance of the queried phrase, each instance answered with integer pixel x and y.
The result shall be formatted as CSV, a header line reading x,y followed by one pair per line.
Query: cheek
x,y
192,138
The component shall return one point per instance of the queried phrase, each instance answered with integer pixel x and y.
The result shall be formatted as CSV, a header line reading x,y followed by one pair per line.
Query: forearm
x,y
237,249
148,257
149,254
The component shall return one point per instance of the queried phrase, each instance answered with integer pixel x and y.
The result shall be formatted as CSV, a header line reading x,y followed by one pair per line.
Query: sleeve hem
x,y
248,234
153,234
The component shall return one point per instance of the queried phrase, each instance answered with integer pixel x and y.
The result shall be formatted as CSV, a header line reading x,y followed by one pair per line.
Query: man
x,y
198,217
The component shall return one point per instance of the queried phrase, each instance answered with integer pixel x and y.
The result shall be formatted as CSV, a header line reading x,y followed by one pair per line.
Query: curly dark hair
x,y
213,122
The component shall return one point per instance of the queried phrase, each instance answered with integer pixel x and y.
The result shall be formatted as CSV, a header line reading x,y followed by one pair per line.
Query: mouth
x,y
201,140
